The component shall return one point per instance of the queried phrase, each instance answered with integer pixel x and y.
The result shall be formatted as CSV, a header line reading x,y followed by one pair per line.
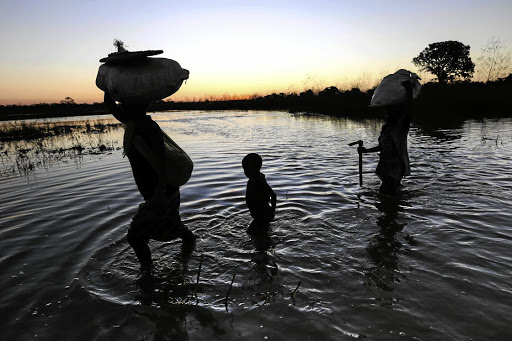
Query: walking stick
x,y
360,144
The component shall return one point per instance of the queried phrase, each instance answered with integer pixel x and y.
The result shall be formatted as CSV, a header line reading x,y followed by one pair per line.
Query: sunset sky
x,y
51,49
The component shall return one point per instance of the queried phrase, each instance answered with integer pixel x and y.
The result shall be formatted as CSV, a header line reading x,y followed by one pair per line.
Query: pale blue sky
x,y
50,49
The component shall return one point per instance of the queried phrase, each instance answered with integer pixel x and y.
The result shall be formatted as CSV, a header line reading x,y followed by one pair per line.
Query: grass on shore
x,y
27,146
23,130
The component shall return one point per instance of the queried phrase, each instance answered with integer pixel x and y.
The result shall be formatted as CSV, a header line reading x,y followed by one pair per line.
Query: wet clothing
x,y
145,176
258,196
164,225
158,224
394,159
153,220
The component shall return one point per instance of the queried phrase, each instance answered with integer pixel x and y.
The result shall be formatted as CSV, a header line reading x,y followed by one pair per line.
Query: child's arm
x,y
273,197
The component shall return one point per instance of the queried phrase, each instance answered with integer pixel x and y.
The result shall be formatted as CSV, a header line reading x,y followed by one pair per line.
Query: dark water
x,y
341,262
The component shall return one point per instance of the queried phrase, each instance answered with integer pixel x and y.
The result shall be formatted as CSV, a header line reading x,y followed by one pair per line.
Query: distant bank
x,y
461,100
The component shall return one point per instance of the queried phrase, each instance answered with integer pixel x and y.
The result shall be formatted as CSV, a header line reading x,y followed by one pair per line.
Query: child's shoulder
x,y
261,178
258,180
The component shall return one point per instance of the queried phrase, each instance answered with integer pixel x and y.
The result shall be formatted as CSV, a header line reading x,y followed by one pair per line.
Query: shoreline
x,y
436,101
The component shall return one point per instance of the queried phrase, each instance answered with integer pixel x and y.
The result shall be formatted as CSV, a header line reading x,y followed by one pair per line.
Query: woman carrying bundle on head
x,y
395,96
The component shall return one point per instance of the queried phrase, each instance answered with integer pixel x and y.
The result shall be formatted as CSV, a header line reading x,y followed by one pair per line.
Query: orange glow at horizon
x,y
231,48
80,85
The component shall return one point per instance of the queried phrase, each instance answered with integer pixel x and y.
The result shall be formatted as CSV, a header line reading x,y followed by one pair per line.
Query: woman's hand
x,y
363,150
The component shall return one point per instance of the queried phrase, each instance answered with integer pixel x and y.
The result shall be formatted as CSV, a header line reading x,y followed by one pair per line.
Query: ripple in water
x,y
339,262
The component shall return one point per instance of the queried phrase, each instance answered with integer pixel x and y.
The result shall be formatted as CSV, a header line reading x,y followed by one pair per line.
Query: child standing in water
x,y
258,193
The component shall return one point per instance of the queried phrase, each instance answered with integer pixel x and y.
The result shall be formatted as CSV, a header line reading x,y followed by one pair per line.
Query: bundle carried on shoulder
x,y
391,91
133,77
179,166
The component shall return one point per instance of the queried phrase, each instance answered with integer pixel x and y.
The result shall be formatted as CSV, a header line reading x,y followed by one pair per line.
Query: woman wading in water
x,y
394,159
158,217
159,165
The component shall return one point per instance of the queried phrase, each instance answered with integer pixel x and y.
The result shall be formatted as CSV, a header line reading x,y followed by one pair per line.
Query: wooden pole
x,y
360,144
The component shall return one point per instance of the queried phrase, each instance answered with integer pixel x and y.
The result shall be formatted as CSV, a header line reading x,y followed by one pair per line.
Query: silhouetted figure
x,y
158,216
258,194
394,159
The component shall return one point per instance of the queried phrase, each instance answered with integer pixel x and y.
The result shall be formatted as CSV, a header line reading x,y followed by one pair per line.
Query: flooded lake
x,y
341,262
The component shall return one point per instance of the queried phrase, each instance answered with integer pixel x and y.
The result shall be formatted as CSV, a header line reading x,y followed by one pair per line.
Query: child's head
x,y
252,164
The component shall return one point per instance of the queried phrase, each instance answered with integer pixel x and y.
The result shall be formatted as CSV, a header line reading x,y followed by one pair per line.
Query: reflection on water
x,y
388,244
165,300
29,145
262,258
339,261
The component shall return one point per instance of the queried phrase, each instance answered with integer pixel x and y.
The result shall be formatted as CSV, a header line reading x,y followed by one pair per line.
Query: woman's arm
x,y
154,137
364,150
114,108
409,86
162,165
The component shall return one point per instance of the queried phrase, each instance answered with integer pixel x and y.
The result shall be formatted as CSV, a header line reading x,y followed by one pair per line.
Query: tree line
x,y
448,61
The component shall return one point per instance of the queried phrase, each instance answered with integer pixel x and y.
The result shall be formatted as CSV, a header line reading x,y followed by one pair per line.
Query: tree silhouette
x,y
329,91
447,60
67,100
495,62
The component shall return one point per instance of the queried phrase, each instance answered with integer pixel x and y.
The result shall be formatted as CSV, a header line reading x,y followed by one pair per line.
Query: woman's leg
x,y
141,248
138,236
389,185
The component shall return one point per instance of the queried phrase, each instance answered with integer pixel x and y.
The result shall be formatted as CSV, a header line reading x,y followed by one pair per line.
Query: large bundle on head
x,y
141,80
391,91
132,77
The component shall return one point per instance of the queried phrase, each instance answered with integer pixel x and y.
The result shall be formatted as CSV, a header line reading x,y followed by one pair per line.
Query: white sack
x,y
391,91
145,80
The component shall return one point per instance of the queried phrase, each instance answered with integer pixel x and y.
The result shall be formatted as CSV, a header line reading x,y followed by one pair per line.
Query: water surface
x,y
341,262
